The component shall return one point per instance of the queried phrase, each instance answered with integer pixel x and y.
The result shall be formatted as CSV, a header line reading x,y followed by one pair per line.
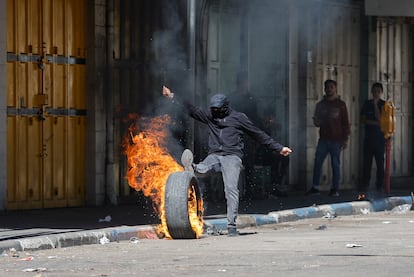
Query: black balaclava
x,y
219,106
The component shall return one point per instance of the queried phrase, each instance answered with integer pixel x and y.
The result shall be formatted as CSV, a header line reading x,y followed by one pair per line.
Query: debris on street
x,y
353,245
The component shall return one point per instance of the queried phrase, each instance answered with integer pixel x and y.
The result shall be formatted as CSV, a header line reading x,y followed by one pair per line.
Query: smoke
x,y
170,69
256,36
169,47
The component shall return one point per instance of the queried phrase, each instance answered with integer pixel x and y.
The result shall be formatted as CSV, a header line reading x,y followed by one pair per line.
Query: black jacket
x,y
226,134
368,111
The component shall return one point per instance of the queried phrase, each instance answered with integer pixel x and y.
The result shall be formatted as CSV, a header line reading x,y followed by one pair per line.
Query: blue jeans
x,y
324,148
229,166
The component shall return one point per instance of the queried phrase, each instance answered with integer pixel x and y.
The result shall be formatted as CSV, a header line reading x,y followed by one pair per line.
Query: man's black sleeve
x,y
259,135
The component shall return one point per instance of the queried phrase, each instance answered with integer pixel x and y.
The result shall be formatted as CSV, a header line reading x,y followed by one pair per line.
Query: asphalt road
x,y
376,244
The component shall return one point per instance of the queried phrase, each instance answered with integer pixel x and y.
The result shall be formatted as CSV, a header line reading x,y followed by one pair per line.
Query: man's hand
x,y
167,92
285,151
317,121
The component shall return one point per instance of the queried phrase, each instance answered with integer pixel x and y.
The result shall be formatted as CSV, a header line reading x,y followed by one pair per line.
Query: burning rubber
x,y
183,206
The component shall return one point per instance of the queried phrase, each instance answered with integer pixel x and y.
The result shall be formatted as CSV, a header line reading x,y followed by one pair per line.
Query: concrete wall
x,y
389,8
96,96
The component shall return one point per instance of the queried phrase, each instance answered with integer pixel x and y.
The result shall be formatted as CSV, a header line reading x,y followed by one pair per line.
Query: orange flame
x,y
150,164
195,212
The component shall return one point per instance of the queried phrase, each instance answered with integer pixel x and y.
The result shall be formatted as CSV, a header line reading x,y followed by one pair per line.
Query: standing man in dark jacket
x,y
374,140
226,130
331,116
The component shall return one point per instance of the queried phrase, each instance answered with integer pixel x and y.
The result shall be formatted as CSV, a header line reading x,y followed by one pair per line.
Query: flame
x,y
195,212
150,164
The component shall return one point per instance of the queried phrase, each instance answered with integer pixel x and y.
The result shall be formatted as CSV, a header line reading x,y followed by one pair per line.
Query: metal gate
x,y
394,67
46,110
336,56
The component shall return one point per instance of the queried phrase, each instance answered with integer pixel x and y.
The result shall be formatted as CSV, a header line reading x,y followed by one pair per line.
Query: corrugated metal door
x,y
223,46
265,57
46,112
394,67
336,56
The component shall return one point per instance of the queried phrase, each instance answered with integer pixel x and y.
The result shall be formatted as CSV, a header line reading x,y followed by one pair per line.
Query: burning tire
x,y
183,206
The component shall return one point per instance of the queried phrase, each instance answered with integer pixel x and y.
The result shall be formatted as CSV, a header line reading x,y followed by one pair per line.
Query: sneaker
x,y
187,160
312,191
412,200
232,232
333,192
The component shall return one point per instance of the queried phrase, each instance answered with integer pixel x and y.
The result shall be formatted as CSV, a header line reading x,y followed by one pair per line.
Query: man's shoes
x,y
187,160
334,193
412,200
232,232
312,191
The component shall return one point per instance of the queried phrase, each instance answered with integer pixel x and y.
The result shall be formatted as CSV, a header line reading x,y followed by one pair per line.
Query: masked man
x,y
225,142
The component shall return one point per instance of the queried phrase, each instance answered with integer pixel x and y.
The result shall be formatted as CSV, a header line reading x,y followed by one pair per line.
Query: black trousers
x,y
374,148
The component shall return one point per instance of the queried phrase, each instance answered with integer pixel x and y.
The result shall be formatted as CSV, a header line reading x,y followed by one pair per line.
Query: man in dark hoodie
x,y
331,117
225,142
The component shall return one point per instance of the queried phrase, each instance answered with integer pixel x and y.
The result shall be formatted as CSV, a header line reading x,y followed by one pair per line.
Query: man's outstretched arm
x,y
194,111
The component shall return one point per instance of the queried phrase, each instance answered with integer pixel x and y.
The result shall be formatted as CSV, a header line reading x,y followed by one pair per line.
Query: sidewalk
x,y
54,228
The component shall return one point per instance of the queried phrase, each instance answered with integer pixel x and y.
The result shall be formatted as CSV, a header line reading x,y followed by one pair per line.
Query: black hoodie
x,y
226,134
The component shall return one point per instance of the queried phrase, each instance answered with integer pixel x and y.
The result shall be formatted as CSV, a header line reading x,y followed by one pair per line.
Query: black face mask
x,y
220,112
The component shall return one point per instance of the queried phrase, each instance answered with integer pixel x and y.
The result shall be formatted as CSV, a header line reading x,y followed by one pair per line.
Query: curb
x,y
80,238
328,210
243,221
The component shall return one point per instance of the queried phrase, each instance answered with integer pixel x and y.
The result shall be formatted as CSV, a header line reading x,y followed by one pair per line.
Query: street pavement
x,y
377,244
59,228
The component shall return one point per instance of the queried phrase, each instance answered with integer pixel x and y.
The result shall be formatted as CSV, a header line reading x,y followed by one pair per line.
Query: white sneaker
x,y
187,160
